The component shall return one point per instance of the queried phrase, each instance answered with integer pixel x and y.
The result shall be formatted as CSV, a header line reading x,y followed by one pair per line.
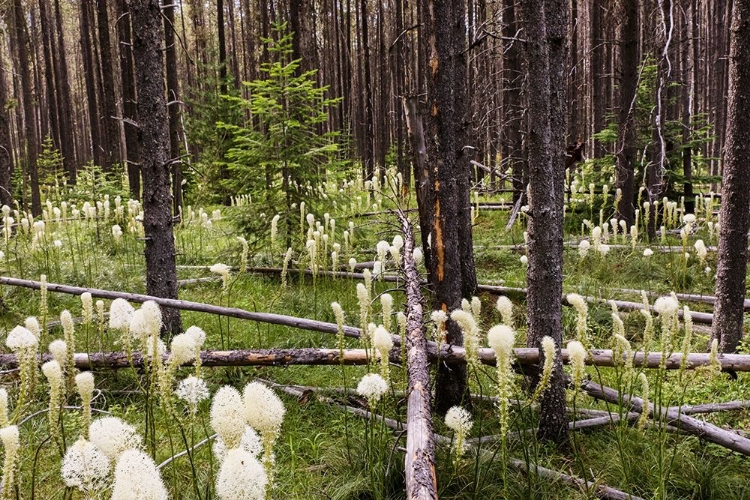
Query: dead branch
x,y
672,416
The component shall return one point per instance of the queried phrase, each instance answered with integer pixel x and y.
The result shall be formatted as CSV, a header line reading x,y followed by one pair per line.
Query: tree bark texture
x,y
544,274
6,148
27,94
735,190
421,480
153,136
132,149
445,182
627,39
173,106
111,126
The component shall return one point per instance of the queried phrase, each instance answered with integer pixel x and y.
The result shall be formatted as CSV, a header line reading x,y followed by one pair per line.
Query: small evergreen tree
x,y
283,155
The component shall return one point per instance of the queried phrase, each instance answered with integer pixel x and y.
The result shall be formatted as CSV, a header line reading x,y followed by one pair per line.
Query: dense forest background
x,y
69,92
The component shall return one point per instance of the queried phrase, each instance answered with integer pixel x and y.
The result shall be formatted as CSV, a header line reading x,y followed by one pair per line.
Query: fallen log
x,y
421,479
524,356
672,416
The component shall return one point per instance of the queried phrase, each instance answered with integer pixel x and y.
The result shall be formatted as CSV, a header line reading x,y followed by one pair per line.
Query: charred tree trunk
x,y
627,38
132,149
546,37
153,135
735,189
30,138
448,192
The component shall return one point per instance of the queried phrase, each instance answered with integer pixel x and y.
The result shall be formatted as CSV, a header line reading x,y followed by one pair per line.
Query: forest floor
x,y
326,453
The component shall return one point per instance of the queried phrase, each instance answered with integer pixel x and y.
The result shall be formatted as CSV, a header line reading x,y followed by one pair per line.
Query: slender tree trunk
x,y
109,104
153,135
90,78
627,38
367,130
64,101
545,32
735,189
222,46
6,148
30,138
49,83
132,149
173,100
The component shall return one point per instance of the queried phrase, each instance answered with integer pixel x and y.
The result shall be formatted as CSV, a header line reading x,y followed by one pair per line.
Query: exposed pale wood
x,y
672,416
421,479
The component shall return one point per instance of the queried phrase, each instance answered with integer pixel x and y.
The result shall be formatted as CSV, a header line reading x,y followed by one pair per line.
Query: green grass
x,y
324,452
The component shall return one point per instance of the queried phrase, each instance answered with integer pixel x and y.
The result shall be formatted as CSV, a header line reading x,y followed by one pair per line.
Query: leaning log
x,y
421,480
672,416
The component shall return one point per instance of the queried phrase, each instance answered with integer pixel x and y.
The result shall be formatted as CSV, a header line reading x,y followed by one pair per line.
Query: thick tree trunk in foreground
x,y
735,190
627,37
448,192
153,136
546,174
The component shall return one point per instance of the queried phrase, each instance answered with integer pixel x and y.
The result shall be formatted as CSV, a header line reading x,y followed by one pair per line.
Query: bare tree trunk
x,y
30,137
173,106
6,158
545,34
49,83
448,192
109,104
90,77
735,189
132,149
153,135
627,38
64,101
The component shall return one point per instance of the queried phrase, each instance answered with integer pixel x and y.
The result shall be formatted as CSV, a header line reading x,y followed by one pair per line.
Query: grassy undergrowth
x,y
324,452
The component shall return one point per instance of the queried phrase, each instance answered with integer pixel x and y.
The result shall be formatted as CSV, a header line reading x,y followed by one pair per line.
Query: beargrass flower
x,y
550,353
11,442
582,310
459,421
227,417
383,343
505,308
241,477
502,338
4,421
372,387
85,387
468,325
113,437
85,468
645,397
137,478
250,443
577,355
